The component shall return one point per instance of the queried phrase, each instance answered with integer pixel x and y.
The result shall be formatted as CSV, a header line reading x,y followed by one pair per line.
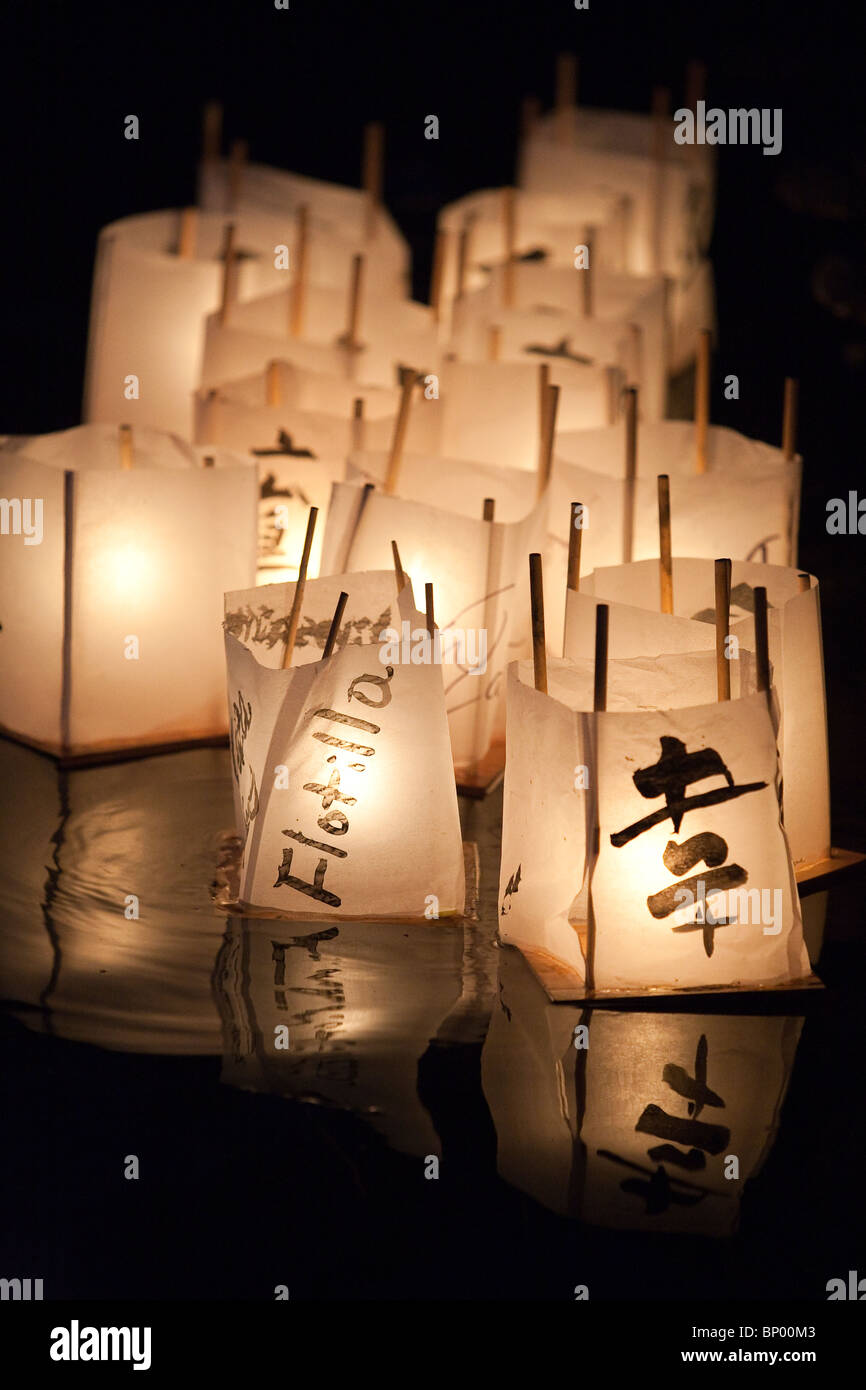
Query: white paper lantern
x,y
148,305
478,572
796,655
332,827
111,618
692,886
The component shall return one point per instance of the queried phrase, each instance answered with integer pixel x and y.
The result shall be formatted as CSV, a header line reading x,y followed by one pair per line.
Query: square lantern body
x,y
746,505
692,885
390,333
546,227
480,589
796,658
148,304
641,306
111,625
344,789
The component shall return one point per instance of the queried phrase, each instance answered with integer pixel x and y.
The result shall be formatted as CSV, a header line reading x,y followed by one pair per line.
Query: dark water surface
x,y
306,1166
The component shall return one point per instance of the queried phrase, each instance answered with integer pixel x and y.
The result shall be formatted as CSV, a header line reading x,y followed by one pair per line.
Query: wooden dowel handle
x,y
297,601
334,629
575,536
428,605
399,571
630,473
599,696
722,574
536,600
804,582
762,639
489,511
401,424
666,571
298,296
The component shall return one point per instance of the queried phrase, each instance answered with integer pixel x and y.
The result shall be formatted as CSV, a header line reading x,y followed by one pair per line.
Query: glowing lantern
x,y
358,334
155,278
344,789
478,570
796,655
638,1114
691,886
111,607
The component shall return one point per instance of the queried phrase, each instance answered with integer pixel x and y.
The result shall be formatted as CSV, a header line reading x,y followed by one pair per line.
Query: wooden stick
x,y
428,604
489,509
297,601
357,424
722,571
373,172
298,295
187,233
273,395
630,473
208,461
437,276
494,342
762,639
804,582
586,274
599,694
350,338
548,436
398,567
666,572
575,536
543,406
536,602
702,399
228,287
401,424
509,218
789,418
566,95
238,156
334,629
124,433
212,131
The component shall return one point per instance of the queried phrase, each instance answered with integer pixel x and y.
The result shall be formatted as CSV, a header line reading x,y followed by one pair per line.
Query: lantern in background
x,y
642,307
692,885
155,278
628,1120
360,335
344,789
796,654
111,605
478,572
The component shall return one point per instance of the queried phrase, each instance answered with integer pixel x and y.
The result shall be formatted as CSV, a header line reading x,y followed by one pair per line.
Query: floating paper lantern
x,y
642,306
794,624
478,570
332,827
692,885
155,278
746,504
111,611
591,1116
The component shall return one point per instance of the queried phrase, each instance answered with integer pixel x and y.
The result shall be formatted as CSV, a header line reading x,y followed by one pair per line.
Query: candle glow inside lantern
x,y
148,304
691,885
796,654
111,615
344,790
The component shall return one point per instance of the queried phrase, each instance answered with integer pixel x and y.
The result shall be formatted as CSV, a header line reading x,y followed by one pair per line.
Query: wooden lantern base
x,y
563,985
